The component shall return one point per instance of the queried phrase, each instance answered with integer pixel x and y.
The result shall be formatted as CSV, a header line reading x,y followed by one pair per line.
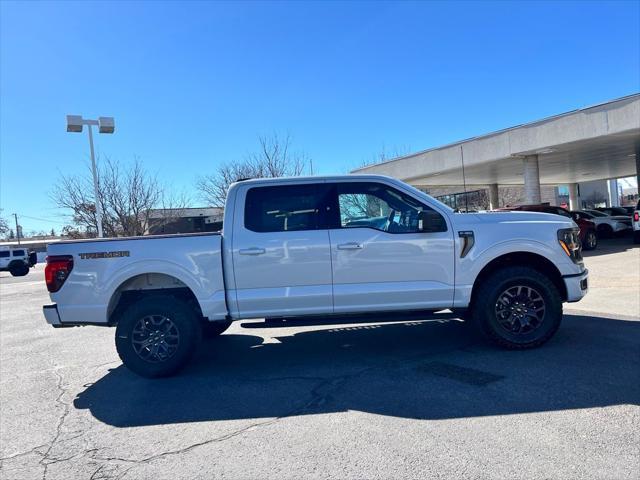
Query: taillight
x,y
57,270
636,217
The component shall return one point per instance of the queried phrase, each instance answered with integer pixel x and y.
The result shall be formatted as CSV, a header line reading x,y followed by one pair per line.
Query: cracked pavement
x,y
341,401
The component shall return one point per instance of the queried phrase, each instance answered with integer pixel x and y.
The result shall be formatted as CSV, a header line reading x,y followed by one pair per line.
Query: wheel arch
x,y
147,284
532,260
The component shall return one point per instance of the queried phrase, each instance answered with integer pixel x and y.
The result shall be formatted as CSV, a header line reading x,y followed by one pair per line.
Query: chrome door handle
x,y
252,251
350,246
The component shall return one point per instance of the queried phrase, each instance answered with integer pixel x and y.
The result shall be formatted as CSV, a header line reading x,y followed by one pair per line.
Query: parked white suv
x,y
318,247
15,260
608,225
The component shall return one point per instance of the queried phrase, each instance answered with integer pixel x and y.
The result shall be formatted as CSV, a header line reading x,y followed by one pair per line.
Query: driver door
x,y
383,257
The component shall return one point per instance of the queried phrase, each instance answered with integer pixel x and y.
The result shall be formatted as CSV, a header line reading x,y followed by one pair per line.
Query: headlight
x,y
569,240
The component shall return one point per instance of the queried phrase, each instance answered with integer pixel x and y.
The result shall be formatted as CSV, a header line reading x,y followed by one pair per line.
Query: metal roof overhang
x,y
597,142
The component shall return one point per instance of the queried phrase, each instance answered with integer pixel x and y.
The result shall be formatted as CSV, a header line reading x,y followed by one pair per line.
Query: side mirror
x,y
430,221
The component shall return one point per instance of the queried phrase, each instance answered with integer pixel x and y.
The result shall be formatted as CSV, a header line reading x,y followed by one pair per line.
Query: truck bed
x,y
104,268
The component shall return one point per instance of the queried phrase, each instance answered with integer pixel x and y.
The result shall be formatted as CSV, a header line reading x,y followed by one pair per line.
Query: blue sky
x,y
191,85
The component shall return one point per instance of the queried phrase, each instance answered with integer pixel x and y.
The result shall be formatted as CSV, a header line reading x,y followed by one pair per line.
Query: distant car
x,y
630,209
608,225
636,224
588,235
614,211
15,260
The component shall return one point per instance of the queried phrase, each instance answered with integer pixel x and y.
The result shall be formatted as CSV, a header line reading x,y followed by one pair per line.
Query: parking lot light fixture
x,y
75,124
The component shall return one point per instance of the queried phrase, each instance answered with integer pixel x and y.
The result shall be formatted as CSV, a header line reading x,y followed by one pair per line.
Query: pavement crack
x,y
22,454
44,461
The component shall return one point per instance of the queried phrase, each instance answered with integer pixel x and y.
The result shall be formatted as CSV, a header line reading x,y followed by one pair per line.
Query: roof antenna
x,y
464,182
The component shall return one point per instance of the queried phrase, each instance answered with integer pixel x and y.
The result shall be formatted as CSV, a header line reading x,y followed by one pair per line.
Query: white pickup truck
x,y
319,246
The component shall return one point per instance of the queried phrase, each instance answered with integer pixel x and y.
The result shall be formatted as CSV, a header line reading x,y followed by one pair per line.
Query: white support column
x,y
493,196
531,180
614,199
574,198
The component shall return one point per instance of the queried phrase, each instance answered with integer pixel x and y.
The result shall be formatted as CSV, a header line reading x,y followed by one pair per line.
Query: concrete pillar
x,y
493,196
531,180
614,199
574,197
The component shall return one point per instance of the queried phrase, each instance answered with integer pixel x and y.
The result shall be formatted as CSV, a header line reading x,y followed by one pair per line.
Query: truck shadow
x,y
419,370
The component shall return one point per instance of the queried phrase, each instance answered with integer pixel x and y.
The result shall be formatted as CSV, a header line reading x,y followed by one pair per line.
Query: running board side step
x,y
342,319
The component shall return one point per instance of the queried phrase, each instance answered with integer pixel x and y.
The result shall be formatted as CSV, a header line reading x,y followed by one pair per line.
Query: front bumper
x,y
577,285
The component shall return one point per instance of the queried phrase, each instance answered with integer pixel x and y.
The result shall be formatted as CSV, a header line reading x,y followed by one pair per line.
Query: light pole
x,y
75,123
15,215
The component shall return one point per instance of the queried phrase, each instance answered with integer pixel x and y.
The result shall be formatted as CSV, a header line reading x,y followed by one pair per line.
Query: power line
x,y
44,220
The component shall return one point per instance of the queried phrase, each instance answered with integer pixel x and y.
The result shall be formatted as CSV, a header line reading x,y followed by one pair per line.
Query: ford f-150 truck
x,y
319,246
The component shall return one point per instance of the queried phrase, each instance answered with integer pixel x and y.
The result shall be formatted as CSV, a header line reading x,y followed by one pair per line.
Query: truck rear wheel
x,y
157,336
517,308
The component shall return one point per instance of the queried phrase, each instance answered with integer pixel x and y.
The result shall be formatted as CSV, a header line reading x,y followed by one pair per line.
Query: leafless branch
x,y
273,158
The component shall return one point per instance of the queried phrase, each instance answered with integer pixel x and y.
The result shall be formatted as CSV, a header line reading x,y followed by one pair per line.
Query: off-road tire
x,y
183,320
215,328
19,270
485,299
636,236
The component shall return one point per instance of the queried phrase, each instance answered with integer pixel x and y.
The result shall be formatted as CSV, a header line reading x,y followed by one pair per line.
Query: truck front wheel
x,y
157,336
517,308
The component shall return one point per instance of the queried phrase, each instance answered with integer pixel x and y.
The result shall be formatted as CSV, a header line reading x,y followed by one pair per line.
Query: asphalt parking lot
x,y
416,399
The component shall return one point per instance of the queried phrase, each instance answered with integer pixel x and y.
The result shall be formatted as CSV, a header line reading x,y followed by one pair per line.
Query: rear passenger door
x,y
281,253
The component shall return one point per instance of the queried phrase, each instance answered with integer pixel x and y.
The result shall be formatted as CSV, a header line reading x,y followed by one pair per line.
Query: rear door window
x,y
4,253
18,253
285,208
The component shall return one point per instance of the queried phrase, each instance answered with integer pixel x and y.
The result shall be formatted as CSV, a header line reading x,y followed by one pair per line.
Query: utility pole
x,y
15,215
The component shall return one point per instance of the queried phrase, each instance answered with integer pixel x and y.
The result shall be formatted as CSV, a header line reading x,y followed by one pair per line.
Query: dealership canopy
x,y
597,142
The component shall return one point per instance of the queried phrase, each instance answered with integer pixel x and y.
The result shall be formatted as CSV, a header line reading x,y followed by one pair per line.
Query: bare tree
x,y
273,158
4,225
510,196
595,199
127,193
382,156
